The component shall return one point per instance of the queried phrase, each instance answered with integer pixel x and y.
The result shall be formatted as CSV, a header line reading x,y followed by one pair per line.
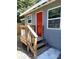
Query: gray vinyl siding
x,y
52,36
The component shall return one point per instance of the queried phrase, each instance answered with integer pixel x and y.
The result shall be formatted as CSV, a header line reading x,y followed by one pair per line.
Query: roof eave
x,y
27,12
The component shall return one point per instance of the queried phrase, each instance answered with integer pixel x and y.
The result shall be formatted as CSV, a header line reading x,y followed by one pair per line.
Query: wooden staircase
x,y
35,44
41,46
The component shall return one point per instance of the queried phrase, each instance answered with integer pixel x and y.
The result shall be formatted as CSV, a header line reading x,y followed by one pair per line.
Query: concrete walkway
x,y
50,54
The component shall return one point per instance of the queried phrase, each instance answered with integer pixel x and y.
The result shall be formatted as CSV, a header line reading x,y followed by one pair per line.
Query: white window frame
x,y
53,18
30,19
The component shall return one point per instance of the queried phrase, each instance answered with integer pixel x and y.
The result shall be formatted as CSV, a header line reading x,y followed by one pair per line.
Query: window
x,y
54,18
29,19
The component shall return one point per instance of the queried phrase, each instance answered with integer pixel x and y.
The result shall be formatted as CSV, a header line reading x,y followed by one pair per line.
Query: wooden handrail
x,y
32,31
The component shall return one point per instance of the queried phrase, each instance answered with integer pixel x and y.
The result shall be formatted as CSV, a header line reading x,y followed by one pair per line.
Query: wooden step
x,y
43,49
41,44
39,39
38,42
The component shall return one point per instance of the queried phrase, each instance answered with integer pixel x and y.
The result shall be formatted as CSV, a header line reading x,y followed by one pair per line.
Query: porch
x,y
32,45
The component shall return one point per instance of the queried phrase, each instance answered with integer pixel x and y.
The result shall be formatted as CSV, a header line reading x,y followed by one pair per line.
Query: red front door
x,y
39,23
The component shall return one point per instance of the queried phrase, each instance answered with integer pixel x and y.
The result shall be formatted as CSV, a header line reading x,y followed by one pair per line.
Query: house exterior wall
x,y
52,36
33,19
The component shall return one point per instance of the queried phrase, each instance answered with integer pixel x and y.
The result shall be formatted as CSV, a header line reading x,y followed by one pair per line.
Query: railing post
x,y
35,47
